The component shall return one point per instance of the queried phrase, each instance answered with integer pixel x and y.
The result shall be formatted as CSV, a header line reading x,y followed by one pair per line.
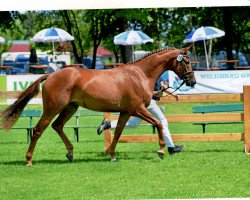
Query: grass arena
x,y
215,167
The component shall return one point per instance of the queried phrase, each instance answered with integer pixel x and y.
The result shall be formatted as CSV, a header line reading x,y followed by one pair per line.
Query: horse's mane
x,y
151,53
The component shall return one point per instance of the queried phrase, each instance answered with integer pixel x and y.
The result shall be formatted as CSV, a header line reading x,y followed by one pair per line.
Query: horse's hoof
x,y
160,153
113,160
29,164
69,156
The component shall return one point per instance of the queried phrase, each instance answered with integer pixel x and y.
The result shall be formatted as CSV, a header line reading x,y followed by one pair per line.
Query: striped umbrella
x,y
132,38
203,34
52,35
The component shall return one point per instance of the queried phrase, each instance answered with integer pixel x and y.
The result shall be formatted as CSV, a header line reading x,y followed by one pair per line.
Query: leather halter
x,y
185,73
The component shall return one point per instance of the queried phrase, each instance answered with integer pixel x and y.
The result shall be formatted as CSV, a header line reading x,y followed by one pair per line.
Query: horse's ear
x,y
186,49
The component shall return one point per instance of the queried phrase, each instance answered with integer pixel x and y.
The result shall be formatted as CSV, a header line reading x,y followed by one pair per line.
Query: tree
x,y
7,23
99,21
166,26
125,20
72,26
7,19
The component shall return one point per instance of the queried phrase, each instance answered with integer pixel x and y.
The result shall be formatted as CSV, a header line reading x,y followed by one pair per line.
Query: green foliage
x,y
7,19
165,25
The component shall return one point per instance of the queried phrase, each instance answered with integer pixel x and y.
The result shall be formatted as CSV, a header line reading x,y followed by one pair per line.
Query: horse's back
x,y
100,90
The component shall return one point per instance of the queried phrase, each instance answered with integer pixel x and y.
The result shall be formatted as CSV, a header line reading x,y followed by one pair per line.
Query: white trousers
x,y
154,109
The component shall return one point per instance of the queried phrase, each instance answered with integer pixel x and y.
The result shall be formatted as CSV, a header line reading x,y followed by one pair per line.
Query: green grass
x,y
202,170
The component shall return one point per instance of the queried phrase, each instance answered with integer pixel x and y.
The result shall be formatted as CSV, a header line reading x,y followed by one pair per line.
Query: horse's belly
x,y
106,93
102,105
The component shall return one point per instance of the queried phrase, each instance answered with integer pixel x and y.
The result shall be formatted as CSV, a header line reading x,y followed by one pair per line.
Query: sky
x,y
22,5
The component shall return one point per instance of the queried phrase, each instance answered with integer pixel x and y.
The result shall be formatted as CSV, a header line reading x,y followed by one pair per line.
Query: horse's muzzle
x,y
191,83
189,78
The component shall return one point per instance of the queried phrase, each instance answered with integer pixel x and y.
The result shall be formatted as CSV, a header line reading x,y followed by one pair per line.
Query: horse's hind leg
x,y
37,132
59,123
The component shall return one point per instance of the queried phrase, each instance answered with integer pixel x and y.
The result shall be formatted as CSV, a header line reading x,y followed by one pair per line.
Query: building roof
x,y
101,51
20,48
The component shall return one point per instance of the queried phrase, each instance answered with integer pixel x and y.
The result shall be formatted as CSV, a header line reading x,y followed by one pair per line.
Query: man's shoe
x,y
106,124
175,149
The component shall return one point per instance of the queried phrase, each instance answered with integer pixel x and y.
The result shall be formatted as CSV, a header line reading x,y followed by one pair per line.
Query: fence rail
x,y
215,117
245,117
13,94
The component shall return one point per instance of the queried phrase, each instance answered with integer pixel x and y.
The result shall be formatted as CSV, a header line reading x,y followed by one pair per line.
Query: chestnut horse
x,y
127,89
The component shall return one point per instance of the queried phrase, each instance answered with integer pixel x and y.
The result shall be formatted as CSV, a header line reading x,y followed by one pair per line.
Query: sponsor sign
x,y
207,82
216,82
18,83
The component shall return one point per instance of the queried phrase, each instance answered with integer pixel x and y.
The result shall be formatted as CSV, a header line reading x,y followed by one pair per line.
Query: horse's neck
x,y
154,65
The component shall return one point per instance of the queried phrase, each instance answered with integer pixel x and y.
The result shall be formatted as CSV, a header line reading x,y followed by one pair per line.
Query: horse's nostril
x,y
193,83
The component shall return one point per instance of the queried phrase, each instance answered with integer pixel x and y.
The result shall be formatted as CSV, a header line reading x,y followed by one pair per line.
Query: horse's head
x,y
182,67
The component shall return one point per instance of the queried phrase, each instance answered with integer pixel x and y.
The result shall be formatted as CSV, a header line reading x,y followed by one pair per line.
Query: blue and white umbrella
x,y
132,38
202,34
52,35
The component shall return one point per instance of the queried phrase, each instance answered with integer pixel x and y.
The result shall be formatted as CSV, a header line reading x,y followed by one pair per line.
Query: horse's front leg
x,y
144,114
123,118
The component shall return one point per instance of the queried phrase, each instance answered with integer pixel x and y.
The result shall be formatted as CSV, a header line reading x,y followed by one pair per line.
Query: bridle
x,y
185,73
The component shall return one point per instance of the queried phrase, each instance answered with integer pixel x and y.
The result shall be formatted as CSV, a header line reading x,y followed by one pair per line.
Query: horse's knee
x,y
158,125
56,126
160,133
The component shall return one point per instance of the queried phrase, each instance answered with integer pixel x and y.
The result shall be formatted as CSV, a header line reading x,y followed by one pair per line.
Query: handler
x,y
162,85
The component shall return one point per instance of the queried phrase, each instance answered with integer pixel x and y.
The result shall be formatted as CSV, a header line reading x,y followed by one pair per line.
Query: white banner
x,y
21,83
221,81
207,82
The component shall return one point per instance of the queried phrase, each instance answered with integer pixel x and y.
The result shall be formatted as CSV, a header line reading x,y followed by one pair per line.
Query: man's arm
x,y
170,91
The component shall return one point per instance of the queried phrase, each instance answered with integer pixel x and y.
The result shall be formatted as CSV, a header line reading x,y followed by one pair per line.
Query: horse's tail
x,y
11,114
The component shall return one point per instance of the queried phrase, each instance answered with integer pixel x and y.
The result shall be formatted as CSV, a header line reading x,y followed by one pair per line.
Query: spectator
x,y
33,57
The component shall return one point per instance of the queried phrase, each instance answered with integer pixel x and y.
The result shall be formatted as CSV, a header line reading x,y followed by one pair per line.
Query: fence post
x,y
246,96
107,132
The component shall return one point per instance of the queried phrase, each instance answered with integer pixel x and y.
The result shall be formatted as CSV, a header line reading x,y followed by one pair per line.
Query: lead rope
x,y
183,82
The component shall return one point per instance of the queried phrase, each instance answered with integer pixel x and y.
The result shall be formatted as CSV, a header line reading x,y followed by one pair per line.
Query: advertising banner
x,y
213,82
18,83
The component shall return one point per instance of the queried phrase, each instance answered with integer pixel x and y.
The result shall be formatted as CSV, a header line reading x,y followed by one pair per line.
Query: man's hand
x,y
158,94
171,92
164,85
176,96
